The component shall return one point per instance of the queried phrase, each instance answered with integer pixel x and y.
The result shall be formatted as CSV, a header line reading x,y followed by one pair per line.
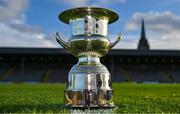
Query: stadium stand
x,y
141,65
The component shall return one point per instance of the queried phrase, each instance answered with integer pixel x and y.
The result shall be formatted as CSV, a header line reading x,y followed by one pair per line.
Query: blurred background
x,y
148,53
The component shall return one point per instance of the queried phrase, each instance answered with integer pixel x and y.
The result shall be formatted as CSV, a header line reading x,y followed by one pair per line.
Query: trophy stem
x,y
89,60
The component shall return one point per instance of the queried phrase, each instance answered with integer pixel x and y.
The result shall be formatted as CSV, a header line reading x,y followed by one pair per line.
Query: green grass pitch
x,y
129,98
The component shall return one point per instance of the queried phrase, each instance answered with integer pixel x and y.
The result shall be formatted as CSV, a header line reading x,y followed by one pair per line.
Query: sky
x,y
33,23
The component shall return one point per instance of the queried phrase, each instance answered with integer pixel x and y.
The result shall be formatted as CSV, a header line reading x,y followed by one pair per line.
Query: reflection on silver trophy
x,y
89,81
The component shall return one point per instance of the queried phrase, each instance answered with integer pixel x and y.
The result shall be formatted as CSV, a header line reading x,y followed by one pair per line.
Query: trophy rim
x,y
80,12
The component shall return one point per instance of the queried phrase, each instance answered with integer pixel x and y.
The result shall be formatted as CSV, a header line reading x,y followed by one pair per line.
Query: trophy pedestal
x,y
89,85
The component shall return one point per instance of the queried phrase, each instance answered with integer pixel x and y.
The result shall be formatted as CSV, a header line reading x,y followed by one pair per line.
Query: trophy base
x,y
89,85
89,108
89,99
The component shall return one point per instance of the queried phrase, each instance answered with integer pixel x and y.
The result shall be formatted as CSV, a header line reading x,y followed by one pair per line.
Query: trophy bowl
x,y
89,82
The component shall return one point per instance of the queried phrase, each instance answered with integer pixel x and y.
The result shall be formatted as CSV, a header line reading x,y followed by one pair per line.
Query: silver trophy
x,y
89,81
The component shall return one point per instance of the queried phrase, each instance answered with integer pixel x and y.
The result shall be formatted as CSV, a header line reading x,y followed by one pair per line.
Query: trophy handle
x,y
61,42
117,40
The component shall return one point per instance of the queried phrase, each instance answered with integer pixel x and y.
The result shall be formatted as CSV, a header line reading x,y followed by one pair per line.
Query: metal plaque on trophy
x,y
89,81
